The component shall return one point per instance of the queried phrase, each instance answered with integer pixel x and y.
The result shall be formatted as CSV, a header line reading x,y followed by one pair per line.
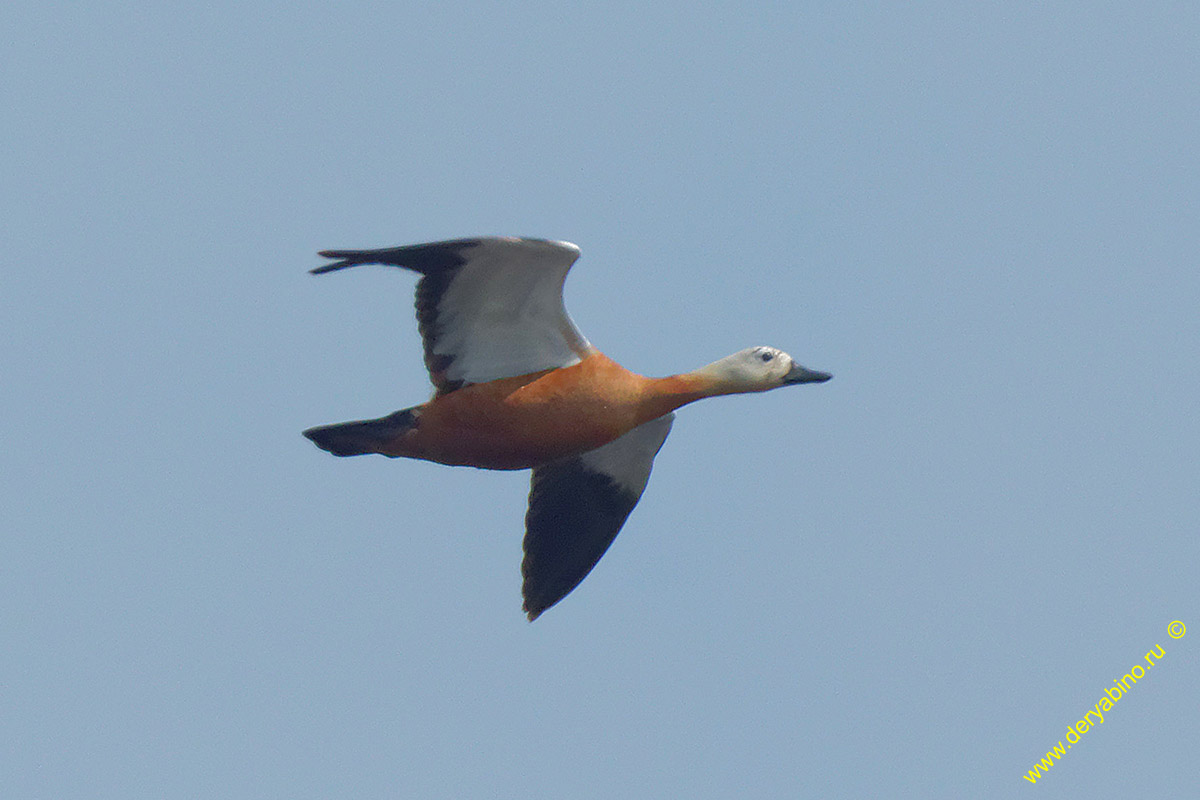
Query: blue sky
x,y
982,218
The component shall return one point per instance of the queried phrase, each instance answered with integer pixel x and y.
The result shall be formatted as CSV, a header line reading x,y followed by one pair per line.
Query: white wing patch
x,y
628,459
488,308
502,314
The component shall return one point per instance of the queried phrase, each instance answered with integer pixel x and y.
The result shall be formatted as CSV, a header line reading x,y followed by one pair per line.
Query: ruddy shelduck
x,y
517,386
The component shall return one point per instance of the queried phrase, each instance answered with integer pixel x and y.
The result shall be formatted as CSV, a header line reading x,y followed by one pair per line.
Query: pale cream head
x,y
757,369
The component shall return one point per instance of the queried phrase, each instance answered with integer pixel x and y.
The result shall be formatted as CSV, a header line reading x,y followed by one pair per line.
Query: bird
x,y
517,386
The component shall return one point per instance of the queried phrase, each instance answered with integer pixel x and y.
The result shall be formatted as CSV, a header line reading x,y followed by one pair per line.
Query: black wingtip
x,y
321,270
422,258
346,258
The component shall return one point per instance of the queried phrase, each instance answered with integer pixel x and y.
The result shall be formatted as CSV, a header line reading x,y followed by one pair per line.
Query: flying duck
x,y
517,386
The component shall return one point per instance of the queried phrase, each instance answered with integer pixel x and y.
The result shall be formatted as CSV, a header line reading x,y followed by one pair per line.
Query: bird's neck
x,y
663,395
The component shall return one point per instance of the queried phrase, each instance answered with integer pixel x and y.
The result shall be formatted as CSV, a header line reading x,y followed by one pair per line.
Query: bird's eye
x,y
766,356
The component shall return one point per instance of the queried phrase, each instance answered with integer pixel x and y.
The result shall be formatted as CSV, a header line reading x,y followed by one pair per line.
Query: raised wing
x,y
488,308
576,508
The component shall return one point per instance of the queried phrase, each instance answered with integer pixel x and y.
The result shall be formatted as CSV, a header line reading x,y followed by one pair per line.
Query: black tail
x,y
365,436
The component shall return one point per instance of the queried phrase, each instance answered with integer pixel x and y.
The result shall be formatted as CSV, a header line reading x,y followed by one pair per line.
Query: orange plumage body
x,y
528,420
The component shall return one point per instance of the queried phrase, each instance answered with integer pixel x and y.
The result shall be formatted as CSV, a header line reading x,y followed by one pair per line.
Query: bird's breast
x,y
528,420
